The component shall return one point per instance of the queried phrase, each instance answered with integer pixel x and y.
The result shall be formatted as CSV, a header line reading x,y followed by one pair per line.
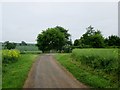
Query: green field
x,y
95,67
27,48
15,74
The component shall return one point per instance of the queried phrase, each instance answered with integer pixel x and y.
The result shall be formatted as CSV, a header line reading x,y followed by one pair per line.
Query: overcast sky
x,y
24,21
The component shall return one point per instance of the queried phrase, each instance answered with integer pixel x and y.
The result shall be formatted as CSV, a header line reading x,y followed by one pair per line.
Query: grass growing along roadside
x,y
16,73
83,75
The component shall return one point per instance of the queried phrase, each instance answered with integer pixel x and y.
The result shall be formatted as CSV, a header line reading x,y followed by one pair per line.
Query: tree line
x,y
94,39
12,45
58,39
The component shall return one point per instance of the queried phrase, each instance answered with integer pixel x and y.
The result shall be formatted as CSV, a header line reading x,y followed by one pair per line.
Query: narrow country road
x,y
48,73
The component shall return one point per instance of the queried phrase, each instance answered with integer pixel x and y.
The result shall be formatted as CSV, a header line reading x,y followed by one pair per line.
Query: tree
x,y
8,45
64,31
92,38
66,34
76,42
112,40
51,39
85,39
23,43
97,41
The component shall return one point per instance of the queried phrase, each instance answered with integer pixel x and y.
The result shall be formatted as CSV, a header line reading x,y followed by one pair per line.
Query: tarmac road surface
x,y
46,72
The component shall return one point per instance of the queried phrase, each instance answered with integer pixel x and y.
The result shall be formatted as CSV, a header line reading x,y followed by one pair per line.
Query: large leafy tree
x,y
66,34
92,38
51,39
64,31
97,41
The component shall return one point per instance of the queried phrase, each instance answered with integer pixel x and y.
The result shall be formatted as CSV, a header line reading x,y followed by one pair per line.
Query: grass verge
x,y
85,76
16,73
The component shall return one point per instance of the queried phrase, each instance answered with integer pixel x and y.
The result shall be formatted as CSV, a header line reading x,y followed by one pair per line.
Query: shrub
x,y
10,55
67,49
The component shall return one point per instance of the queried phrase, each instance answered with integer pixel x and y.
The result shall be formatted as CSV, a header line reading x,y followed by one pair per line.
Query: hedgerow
x,y
98,59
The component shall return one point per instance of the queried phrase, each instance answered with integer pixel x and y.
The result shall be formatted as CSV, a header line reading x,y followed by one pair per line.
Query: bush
x,y
67,49
10,55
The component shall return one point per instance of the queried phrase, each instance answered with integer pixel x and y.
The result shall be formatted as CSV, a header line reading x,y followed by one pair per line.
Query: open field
x,y
27,48
79,64
14,74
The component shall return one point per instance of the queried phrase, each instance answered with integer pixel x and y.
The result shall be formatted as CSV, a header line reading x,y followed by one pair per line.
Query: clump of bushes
x,y
10,55
67,49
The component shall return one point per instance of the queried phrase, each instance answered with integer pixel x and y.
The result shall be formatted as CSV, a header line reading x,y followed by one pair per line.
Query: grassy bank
x,y
84,73
14,74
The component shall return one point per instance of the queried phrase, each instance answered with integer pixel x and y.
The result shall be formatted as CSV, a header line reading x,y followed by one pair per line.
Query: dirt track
x,y
48,73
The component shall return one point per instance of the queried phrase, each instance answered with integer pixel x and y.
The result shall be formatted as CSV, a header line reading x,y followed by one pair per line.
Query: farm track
x,y
46,72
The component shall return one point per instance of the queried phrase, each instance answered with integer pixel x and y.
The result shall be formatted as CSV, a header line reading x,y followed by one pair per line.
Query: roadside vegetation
x,y
17,59
14,74
96,68
9,56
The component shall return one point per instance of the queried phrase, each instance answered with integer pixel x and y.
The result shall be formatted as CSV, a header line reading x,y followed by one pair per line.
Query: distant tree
x,y
51,39
112,40
92,38
97,41
8,45
23,43
85,39
77,42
